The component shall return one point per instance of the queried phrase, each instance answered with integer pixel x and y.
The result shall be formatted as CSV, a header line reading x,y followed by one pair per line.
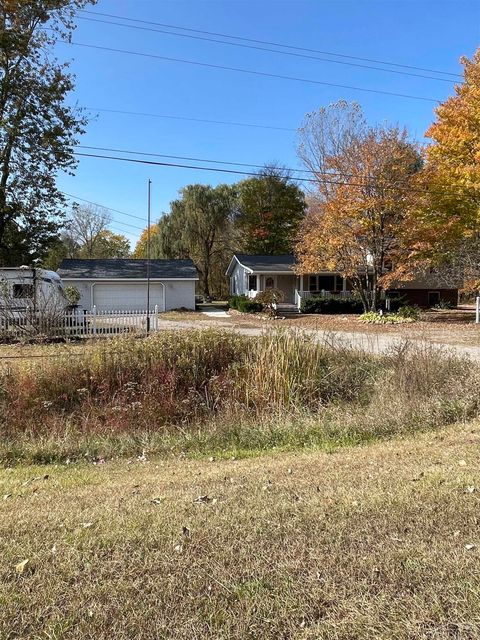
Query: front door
x,y
269,282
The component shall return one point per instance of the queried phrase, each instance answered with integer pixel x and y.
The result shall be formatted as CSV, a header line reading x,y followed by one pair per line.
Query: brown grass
x,y
206,391
367,543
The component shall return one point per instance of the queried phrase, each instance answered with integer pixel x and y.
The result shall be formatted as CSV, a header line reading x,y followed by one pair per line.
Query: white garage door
x,y
117,296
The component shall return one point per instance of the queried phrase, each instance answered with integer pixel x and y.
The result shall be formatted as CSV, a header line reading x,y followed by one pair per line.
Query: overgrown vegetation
x,y
208,391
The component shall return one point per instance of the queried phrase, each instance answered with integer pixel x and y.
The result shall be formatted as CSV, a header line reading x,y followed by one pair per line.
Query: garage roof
x,y
126,269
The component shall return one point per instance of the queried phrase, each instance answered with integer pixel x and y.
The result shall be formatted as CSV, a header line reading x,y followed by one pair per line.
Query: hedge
x,y
317,304
244,304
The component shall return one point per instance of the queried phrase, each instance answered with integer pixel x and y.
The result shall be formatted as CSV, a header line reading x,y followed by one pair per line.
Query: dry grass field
x,y
379,541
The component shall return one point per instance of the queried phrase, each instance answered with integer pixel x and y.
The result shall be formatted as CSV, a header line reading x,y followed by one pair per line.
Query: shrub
x,y
245,305
443,305
233,301
269,298
375,317
409,312
317,304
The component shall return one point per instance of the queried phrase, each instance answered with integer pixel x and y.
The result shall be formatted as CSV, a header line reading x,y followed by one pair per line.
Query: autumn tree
x,y
271,207
84,228
449,207
38,130
362,190
85,234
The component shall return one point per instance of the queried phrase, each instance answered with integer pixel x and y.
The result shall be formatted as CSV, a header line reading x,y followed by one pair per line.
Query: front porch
x,y
297,288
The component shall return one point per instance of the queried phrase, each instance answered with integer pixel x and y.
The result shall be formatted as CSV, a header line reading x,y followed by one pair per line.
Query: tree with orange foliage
x,y
449,209
363,175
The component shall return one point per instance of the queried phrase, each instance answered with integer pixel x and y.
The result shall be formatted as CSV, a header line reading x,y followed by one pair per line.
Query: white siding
x,y
131,295
238,282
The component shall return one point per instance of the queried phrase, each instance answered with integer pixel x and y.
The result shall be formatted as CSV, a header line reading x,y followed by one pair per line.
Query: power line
x,y
275,44
123,213
250,173
258,48
263,74
202,120
192,159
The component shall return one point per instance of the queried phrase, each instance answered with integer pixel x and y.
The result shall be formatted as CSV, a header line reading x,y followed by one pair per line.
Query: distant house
x,y
250,274
121,284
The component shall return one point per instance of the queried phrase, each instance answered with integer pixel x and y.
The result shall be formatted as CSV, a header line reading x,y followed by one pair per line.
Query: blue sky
x,y
425,33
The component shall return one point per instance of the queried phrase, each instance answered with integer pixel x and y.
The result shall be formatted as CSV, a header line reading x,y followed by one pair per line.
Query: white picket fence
x,y
77,324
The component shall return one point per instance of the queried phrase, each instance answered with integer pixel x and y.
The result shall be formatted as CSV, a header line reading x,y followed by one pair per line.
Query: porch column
x,y
302,288
344,287
257,286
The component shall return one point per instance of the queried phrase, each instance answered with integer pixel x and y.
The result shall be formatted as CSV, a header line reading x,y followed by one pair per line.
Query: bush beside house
x,y
244,304
318,304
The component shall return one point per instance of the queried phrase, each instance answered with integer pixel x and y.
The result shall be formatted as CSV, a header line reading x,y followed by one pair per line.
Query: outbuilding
x,y
121,284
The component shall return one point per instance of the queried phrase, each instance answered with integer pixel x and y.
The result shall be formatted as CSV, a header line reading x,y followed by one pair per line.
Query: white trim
x,y
234,257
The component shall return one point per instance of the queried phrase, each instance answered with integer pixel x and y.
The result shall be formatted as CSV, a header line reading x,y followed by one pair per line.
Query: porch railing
x,y
305,295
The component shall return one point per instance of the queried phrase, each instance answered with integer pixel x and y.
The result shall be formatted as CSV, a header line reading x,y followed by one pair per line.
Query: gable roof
x,y
264,264
126,269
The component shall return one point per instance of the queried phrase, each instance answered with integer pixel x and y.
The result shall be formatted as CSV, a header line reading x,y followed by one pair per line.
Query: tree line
x,y
377,207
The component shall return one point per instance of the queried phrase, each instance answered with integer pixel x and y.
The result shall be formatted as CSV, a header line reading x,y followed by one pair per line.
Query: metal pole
x,y
148,255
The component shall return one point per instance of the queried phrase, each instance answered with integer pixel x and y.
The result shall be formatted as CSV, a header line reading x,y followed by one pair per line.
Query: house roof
x,y
264,264
126,269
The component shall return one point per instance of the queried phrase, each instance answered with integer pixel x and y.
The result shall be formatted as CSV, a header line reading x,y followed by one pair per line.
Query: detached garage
x,y
121,284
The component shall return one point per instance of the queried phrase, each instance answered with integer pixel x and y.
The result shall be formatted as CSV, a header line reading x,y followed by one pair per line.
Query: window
x,y
23,290
322,283
269,282
433,298
252,283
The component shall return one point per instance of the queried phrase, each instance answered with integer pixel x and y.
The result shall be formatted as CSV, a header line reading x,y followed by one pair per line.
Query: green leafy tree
x,y
111,245
199,226
38,131
271,208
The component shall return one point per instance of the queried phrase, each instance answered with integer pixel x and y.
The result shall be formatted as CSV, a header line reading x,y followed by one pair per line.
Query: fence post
x,y
477,311
94,313
156,318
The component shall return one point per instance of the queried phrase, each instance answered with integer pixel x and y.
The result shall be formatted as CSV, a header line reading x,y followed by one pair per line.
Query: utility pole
x,y
148,254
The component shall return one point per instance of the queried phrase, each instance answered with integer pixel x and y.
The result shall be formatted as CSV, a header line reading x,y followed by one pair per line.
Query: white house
x,y
251,274
121,284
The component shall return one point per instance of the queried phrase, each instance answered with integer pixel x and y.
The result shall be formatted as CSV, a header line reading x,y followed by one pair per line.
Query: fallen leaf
x,y
87,525
7,496
470,547
470,489
158,500
462,463
186,531
200,499
21,566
